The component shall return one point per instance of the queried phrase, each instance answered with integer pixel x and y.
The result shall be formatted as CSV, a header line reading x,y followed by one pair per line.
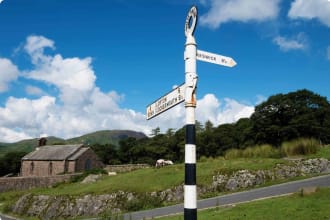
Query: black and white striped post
x,y
190,190
174,97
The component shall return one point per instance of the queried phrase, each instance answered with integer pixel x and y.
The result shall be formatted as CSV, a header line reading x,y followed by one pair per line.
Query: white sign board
x,y
215,58
166,102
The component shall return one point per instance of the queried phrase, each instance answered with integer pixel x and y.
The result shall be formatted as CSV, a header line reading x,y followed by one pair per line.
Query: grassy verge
x,y
152,179
313,206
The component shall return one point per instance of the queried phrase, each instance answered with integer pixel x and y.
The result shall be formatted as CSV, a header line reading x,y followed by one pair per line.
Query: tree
x,y
208,125
296,114
107,153
125,149
155,132
11,162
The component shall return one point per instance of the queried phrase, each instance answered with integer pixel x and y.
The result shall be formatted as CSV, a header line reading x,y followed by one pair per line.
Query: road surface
x,y
254,194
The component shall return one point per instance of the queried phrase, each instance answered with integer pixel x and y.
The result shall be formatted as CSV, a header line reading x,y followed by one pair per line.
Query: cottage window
x,y
31,168
50,168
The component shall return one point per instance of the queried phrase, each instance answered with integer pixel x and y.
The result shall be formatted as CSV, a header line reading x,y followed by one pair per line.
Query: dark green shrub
x,y
301,146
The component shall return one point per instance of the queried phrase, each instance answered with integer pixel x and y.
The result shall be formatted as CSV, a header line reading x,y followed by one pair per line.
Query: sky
x,y
70,67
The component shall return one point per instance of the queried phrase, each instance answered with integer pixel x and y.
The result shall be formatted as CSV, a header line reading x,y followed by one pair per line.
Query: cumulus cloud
x,y
223,11
316,9
209,108
32,90
10,135
298,42
8,73
81,107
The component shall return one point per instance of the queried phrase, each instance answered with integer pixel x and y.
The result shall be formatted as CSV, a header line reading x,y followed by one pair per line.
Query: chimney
x,y
42,142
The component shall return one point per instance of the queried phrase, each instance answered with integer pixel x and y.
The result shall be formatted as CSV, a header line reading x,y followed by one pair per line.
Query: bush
x,y
261,151
301,146
233,153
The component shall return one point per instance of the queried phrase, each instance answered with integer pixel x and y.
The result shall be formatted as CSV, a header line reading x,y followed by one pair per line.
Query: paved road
x,y
270,191
275,190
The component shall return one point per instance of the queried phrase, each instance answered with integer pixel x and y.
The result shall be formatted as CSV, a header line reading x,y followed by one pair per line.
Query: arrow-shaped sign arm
x,y
215,58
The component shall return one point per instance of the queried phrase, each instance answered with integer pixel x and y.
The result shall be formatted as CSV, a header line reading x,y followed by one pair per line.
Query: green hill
x,y
27,145
106,137
99,137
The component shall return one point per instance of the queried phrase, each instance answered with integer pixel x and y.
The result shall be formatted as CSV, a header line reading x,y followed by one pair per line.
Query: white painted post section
x,y
190,190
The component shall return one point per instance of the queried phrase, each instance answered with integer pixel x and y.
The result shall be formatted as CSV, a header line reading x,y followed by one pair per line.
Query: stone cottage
x,y
51,160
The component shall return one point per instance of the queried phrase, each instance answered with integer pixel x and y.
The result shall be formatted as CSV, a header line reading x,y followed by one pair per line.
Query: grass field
x,y
152,179
314,206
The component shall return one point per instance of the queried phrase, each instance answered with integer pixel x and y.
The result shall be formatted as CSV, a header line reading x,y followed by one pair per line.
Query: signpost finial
x,y
191,21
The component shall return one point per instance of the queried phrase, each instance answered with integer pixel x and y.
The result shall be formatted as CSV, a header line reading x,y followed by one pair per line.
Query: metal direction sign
x,y
215,58
171,99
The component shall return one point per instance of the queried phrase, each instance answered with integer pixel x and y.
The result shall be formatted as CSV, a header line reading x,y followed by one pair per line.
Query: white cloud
x,y
208,108
221,112
35,46
223,11
81,107
32,90
8,73
309,9
10,135
298,42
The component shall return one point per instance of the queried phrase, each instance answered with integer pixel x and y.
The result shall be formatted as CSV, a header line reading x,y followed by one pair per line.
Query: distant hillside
x,y
99,137
106,137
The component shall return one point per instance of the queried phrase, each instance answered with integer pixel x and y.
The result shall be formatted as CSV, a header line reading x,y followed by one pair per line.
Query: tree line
x,y
282,117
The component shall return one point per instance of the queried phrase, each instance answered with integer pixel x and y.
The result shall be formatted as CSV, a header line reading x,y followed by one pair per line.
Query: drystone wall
x,y
55,207
125,167
23,183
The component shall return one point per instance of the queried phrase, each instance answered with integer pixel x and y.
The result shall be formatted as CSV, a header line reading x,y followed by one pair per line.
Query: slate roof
x,y
55,152
78,153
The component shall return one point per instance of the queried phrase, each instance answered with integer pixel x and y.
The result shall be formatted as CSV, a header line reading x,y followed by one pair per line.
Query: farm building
x,y
51,160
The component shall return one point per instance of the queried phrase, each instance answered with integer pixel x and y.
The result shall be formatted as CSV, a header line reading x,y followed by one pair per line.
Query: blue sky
x,y
70,67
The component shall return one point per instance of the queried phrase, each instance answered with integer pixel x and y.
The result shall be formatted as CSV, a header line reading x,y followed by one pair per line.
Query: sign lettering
x,y
166,102
215,58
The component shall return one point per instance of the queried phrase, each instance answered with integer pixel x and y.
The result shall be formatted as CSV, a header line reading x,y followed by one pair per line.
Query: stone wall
x,y
125,167
55,207
245,178
23,183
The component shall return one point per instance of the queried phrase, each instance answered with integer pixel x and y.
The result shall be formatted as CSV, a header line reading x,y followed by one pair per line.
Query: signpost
x,y
215,58
166,102
191,54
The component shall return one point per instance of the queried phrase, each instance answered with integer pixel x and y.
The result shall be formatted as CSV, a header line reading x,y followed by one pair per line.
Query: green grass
x,y
324,152
298,147
313,206
259,151
301,146
152,179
